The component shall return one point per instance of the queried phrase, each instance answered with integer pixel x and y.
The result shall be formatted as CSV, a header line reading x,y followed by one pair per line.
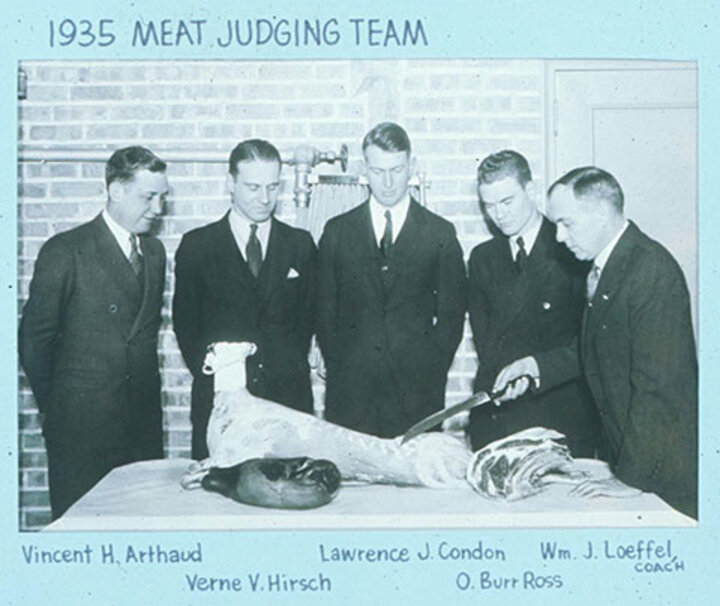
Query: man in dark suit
x,y
636,348
391,299
247,277
526,293
88,336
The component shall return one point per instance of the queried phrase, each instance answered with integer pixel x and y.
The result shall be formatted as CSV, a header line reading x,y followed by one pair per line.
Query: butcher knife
x,y
478,399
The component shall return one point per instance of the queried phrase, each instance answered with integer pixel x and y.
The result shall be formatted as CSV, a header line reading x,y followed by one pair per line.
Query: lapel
x,y
228,256
113,261
502,273
276,263
611,279
540,264
152,267
368,254
517,292
402,253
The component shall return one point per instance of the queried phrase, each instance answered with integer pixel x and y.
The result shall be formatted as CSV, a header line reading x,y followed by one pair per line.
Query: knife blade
x,y
477,399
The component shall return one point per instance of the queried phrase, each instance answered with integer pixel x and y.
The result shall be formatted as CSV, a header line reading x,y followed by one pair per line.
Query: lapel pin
x,y
605,297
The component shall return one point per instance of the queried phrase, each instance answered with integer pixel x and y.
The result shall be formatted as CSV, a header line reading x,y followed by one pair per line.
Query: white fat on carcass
x,y
522,464
243,426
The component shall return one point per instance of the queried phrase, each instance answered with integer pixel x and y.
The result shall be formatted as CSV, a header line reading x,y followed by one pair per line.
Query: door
x,y
638,120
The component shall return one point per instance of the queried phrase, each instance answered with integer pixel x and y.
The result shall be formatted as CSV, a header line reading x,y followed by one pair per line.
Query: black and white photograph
x,y
357,294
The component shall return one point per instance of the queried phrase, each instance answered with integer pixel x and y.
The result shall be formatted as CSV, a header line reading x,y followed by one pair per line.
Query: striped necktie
x,y
135,257
592,281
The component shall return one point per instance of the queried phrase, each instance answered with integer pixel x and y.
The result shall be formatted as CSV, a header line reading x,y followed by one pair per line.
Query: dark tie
x,y
253,251
135,257
521,256
386,240
592,281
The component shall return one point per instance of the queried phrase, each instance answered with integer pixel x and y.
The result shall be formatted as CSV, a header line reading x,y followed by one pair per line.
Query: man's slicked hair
x,y
593,182
125,162
253,149
389,137
505,163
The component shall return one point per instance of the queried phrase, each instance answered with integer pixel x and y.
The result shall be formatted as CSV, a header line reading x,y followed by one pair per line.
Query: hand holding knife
x,y
478,399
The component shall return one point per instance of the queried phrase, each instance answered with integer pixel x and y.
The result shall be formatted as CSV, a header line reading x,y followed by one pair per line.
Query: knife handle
x,y
499,393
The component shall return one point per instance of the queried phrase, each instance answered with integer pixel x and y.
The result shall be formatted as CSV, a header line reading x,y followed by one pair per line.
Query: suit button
x,y
546,305
127,377
113,308
260,365
604,326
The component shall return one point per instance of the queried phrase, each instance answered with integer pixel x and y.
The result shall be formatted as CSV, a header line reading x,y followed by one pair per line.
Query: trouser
x,y
73,470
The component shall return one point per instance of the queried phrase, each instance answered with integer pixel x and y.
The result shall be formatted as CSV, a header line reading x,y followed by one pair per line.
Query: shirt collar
x,y
398,214
602,257
529,235
121,235
240,227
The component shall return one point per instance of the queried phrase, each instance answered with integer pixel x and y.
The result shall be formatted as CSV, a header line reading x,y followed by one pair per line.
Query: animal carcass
x,y
243,427
522,464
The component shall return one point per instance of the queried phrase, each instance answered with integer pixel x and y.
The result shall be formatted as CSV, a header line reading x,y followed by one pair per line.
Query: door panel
x,y
638,120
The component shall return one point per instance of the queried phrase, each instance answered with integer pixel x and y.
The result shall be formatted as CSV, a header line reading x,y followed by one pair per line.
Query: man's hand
x,y
610,487
510,375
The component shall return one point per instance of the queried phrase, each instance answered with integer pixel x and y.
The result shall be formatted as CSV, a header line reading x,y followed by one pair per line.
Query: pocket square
x,y
292,273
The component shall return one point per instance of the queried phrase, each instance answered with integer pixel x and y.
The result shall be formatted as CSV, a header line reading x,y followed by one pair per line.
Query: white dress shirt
x,y
398,214
240,227
120,234
529,235
602,257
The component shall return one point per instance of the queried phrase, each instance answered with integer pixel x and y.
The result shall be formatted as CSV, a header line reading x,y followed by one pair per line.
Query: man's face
x,y
137,203
581,224
388,173
509,205
255,188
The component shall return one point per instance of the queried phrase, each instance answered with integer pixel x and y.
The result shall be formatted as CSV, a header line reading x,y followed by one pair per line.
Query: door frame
x,y
554,66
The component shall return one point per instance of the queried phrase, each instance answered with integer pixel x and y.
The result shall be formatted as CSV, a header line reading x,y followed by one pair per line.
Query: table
x,y
148,496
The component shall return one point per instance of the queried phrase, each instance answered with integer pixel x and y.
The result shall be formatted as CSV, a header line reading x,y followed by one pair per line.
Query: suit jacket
x,y
88,339
513,315
218,299
637,352
388,336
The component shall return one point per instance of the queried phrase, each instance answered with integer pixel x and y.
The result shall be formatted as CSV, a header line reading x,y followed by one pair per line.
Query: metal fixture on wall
x,y
302,158
305,157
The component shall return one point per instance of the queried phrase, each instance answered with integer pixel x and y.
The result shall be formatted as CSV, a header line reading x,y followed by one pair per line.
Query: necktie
x,y
521,256
135,257
592,281
386,240
253,251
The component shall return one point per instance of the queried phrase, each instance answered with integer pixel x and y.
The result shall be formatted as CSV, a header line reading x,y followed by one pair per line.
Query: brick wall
x,y
456,112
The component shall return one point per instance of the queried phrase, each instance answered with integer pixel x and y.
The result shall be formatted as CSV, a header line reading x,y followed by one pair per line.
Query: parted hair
x,y
252,149
505,163
593,182
125,162
389,137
